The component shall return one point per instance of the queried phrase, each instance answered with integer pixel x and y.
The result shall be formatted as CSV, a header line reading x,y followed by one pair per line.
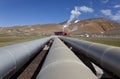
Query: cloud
x,y
106,12
85,9
117,6
105,1
112,16
116,16
77,12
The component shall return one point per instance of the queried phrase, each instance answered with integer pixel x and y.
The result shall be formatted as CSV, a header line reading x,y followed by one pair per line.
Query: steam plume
x,y
76,12
75,28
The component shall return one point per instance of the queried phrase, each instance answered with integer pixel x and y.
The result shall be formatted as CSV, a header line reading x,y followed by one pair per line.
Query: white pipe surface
x,y
13,57
107,57
62,63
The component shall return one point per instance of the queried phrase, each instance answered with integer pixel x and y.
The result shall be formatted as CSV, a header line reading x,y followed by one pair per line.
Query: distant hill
x,y
90,26
45,29
96,26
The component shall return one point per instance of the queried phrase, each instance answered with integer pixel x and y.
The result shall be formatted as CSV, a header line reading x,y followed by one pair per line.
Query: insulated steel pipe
x,y
13,57
62,63
107,57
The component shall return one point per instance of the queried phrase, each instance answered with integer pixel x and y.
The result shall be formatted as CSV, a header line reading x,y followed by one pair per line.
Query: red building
x,y
62,33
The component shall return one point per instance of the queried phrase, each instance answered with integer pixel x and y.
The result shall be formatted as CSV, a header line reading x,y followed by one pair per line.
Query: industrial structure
x,y
63,65
62,33
65,58
13,57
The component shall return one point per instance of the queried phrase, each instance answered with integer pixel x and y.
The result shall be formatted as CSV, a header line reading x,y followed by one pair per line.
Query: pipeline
x,y
13,57
62,63
107,57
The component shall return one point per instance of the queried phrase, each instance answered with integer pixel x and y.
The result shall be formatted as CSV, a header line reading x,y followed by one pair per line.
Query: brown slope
x,y
96,25
45,29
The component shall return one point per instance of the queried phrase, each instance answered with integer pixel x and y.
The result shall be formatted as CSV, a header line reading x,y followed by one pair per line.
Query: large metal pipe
x,y
62,63
107,57
13,57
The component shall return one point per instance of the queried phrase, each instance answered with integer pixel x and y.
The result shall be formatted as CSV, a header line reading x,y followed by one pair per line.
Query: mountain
x,y
96,26
45,29
89,26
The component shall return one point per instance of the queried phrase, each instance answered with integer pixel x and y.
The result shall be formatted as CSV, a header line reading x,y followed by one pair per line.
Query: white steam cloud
x,y
76,21
75,28
76,12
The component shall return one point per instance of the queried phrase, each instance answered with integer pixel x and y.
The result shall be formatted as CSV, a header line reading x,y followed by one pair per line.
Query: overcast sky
x,y
27,12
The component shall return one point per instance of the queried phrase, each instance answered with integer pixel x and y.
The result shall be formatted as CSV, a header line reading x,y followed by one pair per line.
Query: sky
x,y
29,12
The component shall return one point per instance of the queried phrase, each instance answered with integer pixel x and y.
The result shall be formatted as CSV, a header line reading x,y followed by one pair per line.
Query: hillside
x,y
90,26
96,26
45,29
